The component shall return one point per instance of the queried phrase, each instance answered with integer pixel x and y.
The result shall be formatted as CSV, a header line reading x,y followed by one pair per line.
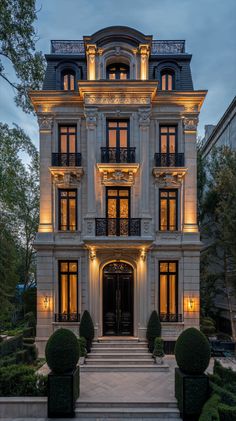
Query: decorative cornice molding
x,y
116,99
112,174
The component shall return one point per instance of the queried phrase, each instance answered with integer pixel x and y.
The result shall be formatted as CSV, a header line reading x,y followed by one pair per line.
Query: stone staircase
x,y
125,410
121,355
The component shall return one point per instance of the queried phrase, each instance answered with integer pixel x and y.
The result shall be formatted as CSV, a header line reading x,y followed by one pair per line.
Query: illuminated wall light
x,y
46,302
191,304
143,255
92,254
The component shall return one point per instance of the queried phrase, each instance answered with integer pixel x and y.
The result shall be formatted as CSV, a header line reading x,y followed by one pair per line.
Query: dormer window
x,y
118,71
68,80
167,80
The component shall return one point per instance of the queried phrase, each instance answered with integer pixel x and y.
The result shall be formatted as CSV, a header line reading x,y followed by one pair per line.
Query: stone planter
x,y
159,360
63,391
191,392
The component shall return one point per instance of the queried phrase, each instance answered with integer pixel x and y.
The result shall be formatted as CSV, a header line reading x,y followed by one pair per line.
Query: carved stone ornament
x,y
45,122
68,177
113,99
117,176
190,123
168,178
144,116
91,117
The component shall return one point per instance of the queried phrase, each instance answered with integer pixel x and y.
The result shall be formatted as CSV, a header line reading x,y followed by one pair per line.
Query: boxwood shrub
x,y
226,396
153,330
8,346
21,380
227,413
210,411
62,351
86,329
227,375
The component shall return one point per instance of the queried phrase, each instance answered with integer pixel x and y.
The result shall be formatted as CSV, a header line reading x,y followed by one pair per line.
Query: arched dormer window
x,y
167,80
68,80
118,71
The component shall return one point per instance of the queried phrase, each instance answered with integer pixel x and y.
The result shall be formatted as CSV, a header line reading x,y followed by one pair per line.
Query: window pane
x,y
123,138
163,226
112,76
163,143
112,124
65,83
172,267
163,82
63,129
170,82
164,194
172,130
163,294
73,293
72,214
112,193
112,138
63,222
112,211
172,215
163,267
63,143
124,208
73,267
172,294
64,267
123,124
164,129
123,192
72,194
64,294
71,129
123,75
72,82
172,193
172,144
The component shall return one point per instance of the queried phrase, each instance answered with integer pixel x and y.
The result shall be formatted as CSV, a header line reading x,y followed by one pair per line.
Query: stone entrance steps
x,y
121,355
125,410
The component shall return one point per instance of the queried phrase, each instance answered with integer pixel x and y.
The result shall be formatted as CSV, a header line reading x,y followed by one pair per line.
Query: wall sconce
x,y
191,304
92,254
143,254
46,302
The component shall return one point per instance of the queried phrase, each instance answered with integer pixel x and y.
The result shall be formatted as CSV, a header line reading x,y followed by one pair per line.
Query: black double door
x,y
118,304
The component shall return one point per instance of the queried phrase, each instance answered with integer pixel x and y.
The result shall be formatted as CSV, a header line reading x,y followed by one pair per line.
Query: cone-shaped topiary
x,y
153,330
62,351
192,351
86,329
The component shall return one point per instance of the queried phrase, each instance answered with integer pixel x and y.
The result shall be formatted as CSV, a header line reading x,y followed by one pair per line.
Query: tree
x,y
218,226
17,48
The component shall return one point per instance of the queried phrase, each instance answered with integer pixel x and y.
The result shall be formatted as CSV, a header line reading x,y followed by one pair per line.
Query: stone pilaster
x,y
45,130
144,125
91,61
144,55
91,123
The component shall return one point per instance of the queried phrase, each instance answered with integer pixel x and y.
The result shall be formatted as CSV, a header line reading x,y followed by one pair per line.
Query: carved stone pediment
x,y
113,99
119,174
166,177
66,176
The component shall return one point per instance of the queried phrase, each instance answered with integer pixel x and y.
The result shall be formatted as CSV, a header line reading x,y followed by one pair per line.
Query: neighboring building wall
x,y
147,108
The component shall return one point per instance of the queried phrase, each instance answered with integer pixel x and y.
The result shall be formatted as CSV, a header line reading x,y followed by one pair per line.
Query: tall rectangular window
x,y
168,290
68,290
168,210
67,139
117,133
67,210
168,139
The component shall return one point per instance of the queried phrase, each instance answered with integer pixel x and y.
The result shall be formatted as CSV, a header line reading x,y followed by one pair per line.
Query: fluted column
x,y
91,61
91,123
144,126
190,181
45,131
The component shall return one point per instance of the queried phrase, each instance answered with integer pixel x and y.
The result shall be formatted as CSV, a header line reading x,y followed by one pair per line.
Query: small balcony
x,y
118,155
67,317
169,160
66,159
125,227
171,318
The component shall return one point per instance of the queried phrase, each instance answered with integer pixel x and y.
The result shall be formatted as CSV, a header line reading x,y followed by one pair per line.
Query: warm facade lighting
x,y
143,254
91,61
144,54
92,254
191,304
46,302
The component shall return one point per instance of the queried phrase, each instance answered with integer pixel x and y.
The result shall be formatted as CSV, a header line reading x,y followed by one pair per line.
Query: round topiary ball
x,y
62,351
192,351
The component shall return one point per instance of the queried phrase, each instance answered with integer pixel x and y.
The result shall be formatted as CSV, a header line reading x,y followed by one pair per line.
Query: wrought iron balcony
x,y
117,155
118,227
67,317
169,159
164,317
66,159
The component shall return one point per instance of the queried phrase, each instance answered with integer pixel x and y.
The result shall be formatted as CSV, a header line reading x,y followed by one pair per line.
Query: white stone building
x,y
118,231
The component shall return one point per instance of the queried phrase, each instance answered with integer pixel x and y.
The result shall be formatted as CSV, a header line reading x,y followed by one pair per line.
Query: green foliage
x,y
153,329
227,413
29,340
17,45
192,351
227,375
82,346
29,300
86,329
8,346
32,352
28,332
208,326
62,351
226,396
21,380
158,348
22,357
210,409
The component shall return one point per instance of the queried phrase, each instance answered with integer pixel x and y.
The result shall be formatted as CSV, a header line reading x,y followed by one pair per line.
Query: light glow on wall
x,y
191,303
46,302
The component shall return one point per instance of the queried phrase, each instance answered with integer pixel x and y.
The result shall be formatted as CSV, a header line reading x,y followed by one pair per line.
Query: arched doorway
x,y
118,299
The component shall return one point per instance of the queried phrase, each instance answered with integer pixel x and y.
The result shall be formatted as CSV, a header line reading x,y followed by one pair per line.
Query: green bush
x,y
158,348
227,413
8,346
210,411
82,347
32,352
192,351
227,375
215,379
28,332
226,396
62,351
22,356
8,360
28,340
153,330
86,329
21,380
207,326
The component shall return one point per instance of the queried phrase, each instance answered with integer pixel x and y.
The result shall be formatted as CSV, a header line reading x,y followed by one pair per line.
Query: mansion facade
x,y
118,232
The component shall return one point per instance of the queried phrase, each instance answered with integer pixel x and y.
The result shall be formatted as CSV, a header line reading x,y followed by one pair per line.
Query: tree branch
x,y
10,83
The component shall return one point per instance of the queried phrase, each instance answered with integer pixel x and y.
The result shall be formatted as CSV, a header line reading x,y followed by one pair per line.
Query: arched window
x,y
117,71
167,80
68,80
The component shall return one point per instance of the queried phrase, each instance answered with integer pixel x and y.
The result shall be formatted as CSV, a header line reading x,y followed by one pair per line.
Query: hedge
x,y
227,413
226,374
209,410
11,345
21,380
226,397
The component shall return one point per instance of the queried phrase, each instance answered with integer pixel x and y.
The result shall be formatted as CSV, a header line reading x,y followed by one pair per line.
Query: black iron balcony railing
x,y
164,317
66,159
118,226
169,159
67,317
118,155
